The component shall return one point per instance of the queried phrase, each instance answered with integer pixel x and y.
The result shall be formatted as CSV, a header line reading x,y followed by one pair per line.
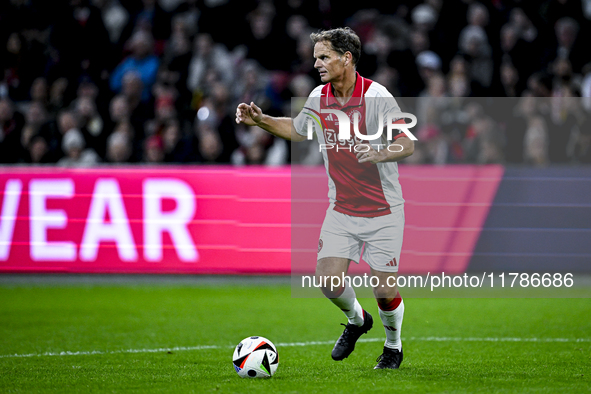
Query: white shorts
x,y
344,236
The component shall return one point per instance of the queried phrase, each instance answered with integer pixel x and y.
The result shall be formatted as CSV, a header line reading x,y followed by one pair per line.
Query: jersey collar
x,y
356,98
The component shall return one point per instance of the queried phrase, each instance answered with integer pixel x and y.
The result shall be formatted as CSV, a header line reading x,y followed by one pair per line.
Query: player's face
x,y
329,63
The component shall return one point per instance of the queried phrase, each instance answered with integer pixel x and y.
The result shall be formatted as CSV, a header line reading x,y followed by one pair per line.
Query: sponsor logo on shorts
x,y
320,243
391,263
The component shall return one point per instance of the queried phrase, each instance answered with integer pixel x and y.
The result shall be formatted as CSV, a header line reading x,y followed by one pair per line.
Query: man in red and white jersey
x,y
366,204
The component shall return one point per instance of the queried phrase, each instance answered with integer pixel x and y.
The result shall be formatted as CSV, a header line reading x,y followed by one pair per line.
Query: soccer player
x,y
366,204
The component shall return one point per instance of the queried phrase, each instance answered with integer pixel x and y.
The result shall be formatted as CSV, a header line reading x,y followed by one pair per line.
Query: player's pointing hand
x,y
250,115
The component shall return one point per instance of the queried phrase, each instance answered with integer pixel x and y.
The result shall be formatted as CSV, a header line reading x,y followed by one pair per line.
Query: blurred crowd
x,y
84,82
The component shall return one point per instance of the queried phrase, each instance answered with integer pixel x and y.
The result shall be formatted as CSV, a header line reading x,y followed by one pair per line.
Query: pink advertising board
x,y
217,220
145,220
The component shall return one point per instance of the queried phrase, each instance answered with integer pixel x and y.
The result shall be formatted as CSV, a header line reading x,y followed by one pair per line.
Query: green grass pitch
x,y
180,338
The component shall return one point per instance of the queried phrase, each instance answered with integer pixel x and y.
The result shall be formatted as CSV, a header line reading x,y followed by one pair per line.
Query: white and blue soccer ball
x,y
255,357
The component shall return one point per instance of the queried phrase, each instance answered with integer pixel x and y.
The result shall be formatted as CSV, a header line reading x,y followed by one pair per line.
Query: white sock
x,y
392,321
348,303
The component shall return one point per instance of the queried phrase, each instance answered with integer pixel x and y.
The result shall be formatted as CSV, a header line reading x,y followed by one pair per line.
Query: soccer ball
x,y
255,357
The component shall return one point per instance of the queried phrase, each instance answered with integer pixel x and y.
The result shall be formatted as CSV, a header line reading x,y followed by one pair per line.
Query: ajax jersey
x,y
355,189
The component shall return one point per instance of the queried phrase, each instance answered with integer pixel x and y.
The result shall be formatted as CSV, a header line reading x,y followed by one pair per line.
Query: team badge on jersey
x,y
320,245
352,114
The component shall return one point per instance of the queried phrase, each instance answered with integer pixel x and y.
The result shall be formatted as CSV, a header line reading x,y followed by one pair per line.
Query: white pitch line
x,y
502,339
294,344
93,352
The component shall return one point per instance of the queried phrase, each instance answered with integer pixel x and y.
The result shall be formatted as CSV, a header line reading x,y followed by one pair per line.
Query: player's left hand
x,y
367,154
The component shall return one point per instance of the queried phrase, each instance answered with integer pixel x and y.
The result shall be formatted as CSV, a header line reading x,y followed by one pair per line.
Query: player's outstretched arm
x,y
251,115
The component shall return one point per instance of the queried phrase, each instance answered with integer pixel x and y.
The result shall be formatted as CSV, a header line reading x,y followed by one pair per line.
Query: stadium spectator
x,y
569,45
115,18
459,86
424,17
119,145
226,127
458,79
174,71
81,42
179,43
509,80
208,55
522,22
251,83
11,124
153,150
539,84
73,146
22,59
38,150
490,141
189,12
536,142
87,88
119,111
54,131
57,93
153,19
177,147
39,91
562,125
164,112
139,110
215,132
429,64
430,101
27,134
91,124
210,146
261,37
141,61
582,149
304,61
515,125
515,52
473,44
419,41
36,115
258,147
304,153
301,86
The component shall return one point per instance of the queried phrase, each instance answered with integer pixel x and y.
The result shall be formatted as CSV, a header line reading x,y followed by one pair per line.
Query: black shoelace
x,y
349,330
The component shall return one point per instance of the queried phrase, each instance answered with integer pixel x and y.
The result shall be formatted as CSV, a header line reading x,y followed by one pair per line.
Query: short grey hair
x,y
342,39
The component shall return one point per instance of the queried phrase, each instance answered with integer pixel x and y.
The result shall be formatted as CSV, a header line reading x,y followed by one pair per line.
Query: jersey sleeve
x,y
388,107
309,113
391,111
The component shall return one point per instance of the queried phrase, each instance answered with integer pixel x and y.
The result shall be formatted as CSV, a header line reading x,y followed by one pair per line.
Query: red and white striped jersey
x,y
355,189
